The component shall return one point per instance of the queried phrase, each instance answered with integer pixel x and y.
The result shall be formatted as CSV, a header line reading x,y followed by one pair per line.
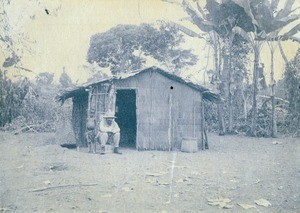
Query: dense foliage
x,y
11,97
226,24
235,29
30,106
292,85
126,47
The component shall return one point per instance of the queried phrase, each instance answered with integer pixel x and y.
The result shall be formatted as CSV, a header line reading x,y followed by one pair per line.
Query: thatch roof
x,y
77,90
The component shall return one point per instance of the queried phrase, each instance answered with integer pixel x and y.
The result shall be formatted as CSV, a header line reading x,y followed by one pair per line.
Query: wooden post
x,y
97,100
151,110
230,125
137,145
170,122
194,122
273,121
205,136
203,126
255,88
89,90
111,105
104,101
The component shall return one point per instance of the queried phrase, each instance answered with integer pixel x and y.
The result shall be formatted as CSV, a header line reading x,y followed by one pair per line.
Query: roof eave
x,y
207,94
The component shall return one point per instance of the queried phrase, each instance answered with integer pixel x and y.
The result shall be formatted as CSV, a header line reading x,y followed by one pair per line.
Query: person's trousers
x,y
104,136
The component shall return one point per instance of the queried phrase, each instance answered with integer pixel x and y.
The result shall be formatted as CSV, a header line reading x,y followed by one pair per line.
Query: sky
x,y
61,38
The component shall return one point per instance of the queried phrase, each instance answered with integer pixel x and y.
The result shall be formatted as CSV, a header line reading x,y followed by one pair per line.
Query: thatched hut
x,y
155,109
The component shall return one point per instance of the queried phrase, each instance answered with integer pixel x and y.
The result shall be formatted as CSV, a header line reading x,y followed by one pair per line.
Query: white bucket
x,y
189,145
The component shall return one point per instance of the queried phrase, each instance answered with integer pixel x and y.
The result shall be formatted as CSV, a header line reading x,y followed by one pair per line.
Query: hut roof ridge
x,y
70,92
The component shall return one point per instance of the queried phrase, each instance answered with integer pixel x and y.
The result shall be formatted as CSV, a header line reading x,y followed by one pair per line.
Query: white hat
x,y
109,115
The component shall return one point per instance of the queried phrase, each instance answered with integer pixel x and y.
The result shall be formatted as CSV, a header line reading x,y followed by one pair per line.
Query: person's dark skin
x,y
109,121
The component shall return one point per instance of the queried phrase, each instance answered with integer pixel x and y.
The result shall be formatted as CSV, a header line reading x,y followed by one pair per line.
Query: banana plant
x,y
217,20
268,21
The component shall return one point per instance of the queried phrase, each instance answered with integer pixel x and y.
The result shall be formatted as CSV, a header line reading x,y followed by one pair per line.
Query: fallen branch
x,y
276,98
62,186
28,127
23,128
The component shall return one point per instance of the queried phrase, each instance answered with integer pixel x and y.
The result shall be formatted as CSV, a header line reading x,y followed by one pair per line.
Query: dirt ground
x,y
38,175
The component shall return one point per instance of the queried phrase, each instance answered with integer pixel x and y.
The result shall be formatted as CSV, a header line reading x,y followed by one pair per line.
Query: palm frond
x,y
239,31
282,52
295,39
274,5
172,2
245,4
185,30
286,10
196,19
281,23
287,36
201,10
292,32
289,19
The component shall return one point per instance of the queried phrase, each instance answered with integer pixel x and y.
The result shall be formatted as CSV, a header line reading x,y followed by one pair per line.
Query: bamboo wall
x,y
164,115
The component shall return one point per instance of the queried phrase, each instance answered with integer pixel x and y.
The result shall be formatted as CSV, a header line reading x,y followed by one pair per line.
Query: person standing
x,y
90,133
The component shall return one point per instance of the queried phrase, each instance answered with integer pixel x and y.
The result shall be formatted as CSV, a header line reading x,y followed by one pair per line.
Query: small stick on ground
x,y
62,186
29,127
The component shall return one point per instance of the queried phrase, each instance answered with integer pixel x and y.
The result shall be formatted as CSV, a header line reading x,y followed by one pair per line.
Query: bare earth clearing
x,y
39,175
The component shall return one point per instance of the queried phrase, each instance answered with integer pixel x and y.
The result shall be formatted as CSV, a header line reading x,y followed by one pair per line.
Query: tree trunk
x,y
216,60
1,99
217,69
255,90
244,102
282,53
221,119
230,125
220,59
274,125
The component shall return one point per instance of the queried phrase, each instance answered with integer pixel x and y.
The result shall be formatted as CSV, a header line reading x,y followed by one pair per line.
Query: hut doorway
x,y
126,116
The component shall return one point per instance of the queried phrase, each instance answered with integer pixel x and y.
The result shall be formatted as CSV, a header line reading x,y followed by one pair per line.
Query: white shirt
x,y
104,127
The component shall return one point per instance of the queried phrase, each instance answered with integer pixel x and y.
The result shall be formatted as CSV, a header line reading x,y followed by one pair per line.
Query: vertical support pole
x,y
194,121
97,100
273,121
89,101
111,105
137,145
202,126
151,111
104,100
170,122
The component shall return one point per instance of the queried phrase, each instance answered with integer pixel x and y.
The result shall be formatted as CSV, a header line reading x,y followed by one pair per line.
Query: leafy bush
x,y
29,106
292,85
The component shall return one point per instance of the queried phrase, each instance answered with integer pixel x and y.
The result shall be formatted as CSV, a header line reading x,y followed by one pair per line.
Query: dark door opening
x,y
126,116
